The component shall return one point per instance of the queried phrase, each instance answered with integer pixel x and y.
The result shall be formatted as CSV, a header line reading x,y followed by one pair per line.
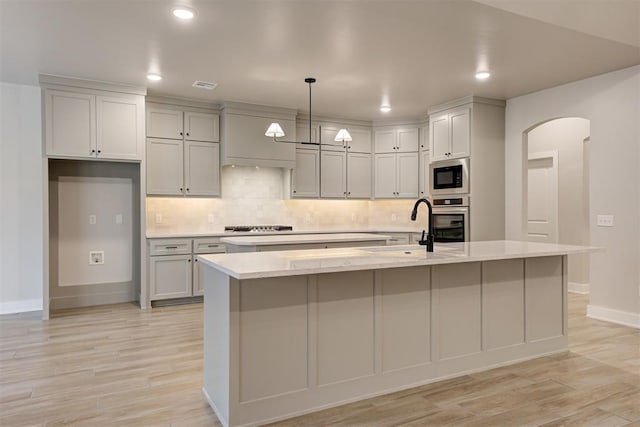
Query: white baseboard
x,y
20,306
614,316
578,288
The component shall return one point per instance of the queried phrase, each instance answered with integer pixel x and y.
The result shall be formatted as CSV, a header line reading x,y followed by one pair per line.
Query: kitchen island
x,y
305,241
291,332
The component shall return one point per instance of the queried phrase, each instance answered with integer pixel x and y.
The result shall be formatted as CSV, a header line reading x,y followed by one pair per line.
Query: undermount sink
x,y
413,251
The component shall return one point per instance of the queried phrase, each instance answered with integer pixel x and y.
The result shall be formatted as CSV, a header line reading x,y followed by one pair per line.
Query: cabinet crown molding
x,y
231,107
182,103
65,83
467,100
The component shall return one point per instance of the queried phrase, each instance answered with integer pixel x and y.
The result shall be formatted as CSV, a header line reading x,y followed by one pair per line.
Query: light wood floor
x,y
117,365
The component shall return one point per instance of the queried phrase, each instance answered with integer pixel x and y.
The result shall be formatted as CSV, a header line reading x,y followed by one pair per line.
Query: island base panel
x,y
395,328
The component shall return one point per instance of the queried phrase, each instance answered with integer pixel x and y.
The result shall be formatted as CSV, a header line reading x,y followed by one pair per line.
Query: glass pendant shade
x,y
343,136
274,131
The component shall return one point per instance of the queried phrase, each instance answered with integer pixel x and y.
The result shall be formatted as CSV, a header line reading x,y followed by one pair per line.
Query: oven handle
x,y
450,210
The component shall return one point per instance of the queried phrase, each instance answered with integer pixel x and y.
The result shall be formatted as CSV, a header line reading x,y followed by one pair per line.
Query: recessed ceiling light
x,y
183,13
385,108
483,75
154,77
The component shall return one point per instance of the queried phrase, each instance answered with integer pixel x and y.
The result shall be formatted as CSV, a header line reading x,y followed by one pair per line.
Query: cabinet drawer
x,y
208,245
170,247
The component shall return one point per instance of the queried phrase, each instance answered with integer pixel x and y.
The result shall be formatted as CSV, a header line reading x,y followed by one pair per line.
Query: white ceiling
x,y
413,54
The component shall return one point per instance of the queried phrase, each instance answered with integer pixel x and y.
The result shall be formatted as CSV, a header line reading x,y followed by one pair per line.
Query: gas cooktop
x,y
257,228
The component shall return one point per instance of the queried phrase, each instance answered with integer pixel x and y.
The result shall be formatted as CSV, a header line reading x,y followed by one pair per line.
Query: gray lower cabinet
x,y
170,276
174,270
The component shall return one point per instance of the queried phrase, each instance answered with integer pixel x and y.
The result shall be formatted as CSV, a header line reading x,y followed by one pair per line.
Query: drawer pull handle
x,y
212,246
171,247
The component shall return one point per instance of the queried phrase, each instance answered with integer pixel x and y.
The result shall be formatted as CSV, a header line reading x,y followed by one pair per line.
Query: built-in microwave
x,y
449,177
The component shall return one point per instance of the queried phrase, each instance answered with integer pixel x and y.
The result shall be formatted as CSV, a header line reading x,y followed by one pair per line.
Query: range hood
x,y
243,142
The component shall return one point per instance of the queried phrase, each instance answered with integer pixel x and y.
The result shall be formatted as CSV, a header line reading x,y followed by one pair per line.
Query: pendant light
x,y
275,131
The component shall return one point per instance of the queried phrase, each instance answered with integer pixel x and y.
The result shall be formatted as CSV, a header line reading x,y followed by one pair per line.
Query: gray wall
x,y
612,104
21,199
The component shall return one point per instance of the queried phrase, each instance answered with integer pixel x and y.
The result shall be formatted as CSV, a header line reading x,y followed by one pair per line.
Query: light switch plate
x,y
605,220
158,218
118,219
393,217
92,219
210,218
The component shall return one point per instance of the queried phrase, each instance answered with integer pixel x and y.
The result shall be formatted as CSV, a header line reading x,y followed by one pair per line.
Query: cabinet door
x,y
198,285
358,176
439,131
328,136
459,122
407,140
201,127
333,174
70,124
306,175
384,140
164,167
385,175
170,276
407,175
201,168
119,127
164,123
424,173
424,137
361,141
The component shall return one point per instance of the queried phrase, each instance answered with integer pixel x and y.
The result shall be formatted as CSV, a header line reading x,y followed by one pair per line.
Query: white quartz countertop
x,y
256,265
293,239
325,230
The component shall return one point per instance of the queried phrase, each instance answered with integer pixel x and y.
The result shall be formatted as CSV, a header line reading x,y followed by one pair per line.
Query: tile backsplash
x,y
257,196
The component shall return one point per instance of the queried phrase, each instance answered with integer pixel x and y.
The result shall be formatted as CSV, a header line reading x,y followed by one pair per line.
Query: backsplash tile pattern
x,y
256,196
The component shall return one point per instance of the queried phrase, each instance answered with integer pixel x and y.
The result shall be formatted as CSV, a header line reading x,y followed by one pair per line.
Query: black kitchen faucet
x,y
428,242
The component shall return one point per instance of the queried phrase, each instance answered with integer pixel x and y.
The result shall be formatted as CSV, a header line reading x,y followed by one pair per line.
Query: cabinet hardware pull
x,y
195,260
93,151
187,133
180,188
188,260
171,247
212,246
187,189
180,133
99,151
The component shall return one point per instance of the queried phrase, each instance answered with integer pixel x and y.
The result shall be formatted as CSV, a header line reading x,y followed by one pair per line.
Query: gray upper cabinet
x,y
164,123
306,176
333,174
361,142
201,127
396,139
94,124
164,167
450,134
178,124
359,176
201,169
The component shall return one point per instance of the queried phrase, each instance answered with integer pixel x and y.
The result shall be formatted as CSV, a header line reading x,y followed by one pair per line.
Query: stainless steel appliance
x,y
257,228
449,177
451,219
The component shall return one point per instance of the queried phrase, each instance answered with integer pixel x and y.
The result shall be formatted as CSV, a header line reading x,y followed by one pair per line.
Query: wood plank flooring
x,y
117,365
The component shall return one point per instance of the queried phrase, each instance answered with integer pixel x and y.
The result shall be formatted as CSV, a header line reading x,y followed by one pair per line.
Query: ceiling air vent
x,y
204,85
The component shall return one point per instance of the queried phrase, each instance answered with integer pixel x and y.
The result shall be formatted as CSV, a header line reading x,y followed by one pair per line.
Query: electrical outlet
x,y
96,257
353,217
605,220
393,217
211,218
158,218
118,219
92,219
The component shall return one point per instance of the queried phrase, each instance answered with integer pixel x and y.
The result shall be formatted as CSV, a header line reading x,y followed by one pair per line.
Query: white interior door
x,y
542,220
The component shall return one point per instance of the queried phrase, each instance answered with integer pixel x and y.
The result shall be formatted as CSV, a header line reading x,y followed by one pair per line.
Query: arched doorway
x,y
556,180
